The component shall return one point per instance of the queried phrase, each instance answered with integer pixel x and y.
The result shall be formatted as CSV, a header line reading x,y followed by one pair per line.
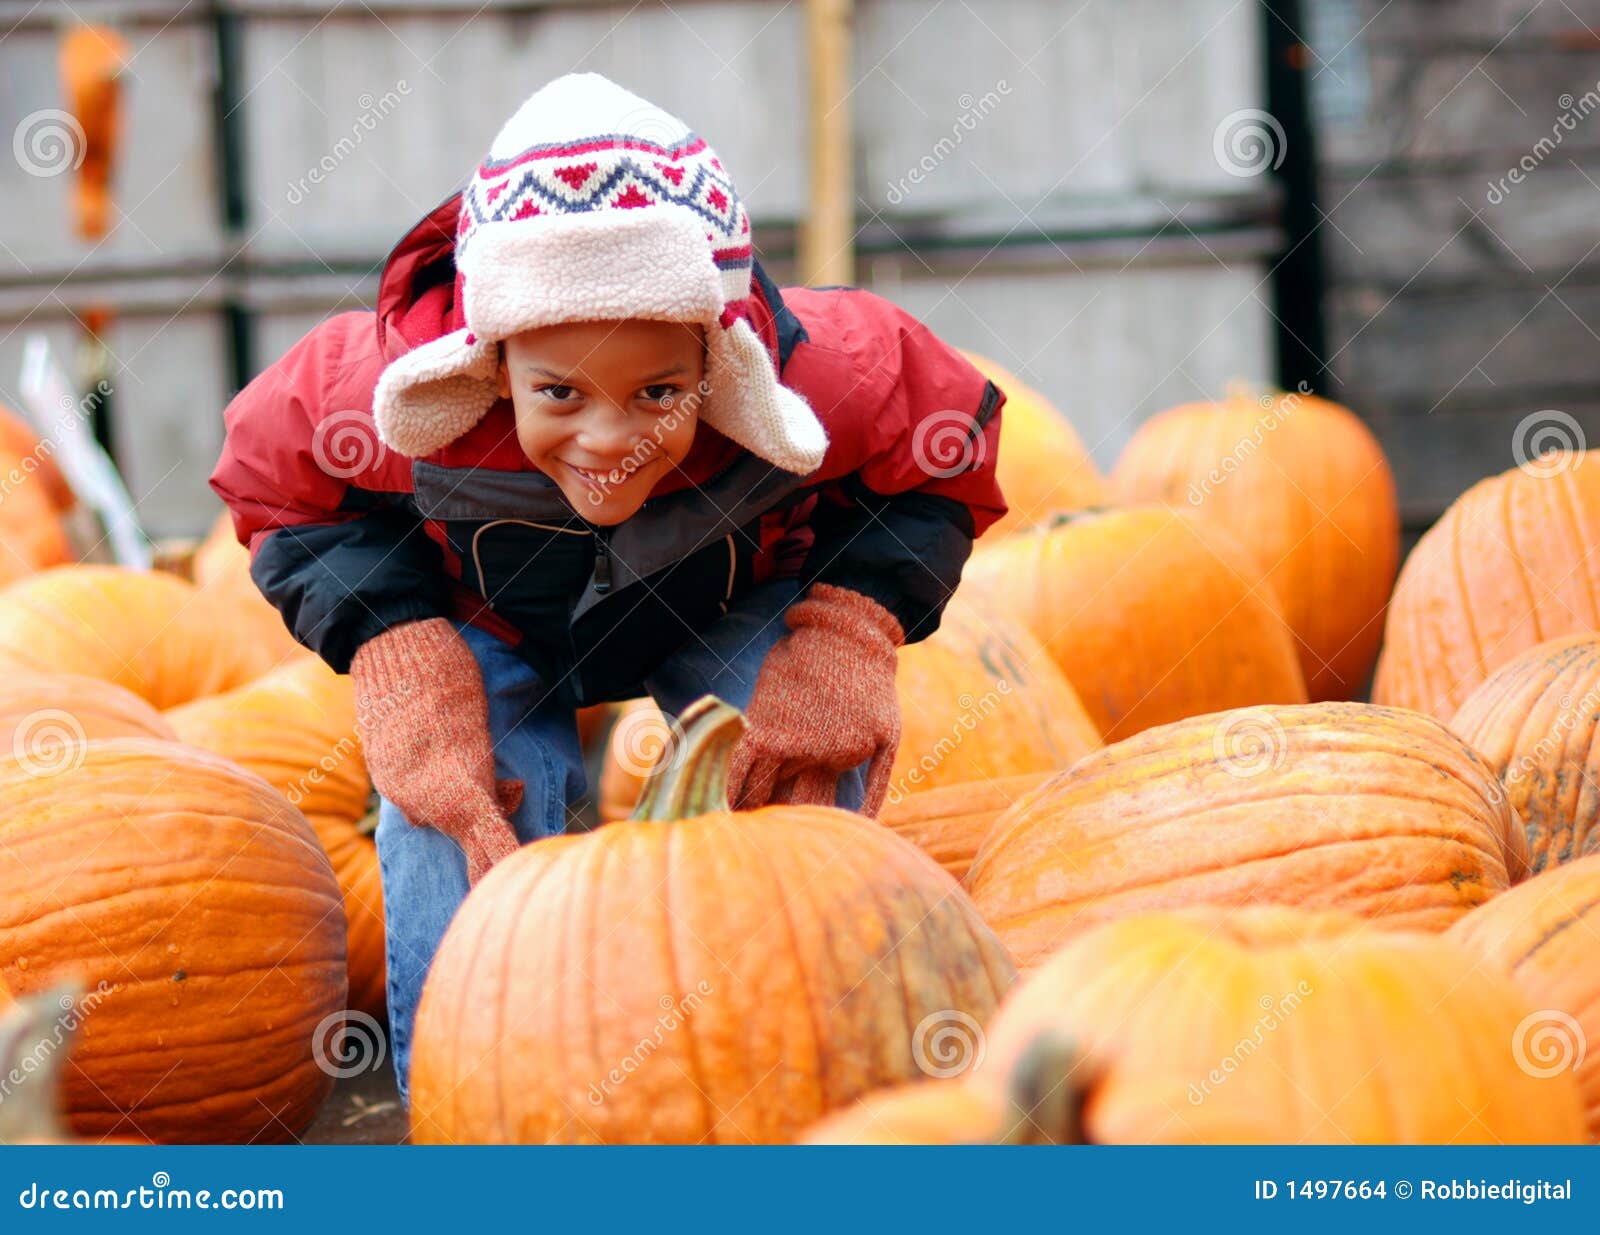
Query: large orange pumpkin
x,y
981,698
1285,1026
44,715
949,823
1542,933
146,631
1043,467
32,535
296,729
200,913
1304,486
1535,720
1152,613
1506,567
1339,806
693,975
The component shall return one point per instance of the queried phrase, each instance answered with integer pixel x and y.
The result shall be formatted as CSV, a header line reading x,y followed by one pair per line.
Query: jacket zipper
x,y
477,561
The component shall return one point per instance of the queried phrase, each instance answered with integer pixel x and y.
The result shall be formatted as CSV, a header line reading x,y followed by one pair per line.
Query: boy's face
x,y
605,409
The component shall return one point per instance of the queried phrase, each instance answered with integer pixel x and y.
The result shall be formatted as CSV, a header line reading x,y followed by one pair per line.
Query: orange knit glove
x,y
423,720
824,702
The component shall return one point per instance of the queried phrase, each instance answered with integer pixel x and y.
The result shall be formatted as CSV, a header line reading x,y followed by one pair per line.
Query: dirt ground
x,y
362,1110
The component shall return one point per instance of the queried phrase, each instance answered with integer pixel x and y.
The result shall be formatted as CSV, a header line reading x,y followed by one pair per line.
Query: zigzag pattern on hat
x,y
605,173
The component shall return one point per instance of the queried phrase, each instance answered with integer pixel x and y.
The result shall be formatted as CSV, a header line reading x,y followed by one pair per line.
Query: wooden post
x,y
827,244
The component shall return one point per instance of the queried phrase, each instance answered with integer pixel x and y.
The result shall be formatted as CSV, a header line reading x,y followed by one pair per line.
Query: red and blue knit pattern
x,y
612,172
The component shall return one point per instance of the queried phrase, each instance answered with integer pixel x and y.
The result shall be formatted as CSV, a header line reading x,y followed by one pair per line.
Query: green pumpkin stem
x,y
35,1037
691,777
1047,1092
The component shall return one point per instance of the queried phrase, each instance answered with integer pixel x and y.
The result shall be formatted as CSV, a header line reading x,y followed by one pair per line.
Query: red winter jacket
x,y
348,538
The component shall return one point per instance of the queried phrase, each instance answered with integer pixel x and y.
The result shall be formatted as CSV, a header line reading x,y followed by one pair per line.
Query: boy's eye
x,y
558,392
660,392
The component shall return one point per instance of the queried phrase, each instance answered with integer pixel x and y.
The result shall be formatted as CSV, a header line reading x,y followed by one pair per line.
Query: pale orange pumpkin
x,y
1303,485
1152,613
42,715
1043,467
146,631
692,975
33,459
1535,720
296,729
1279,1026
1339,806
949,823
200,913
1505,567
981,698
1542,934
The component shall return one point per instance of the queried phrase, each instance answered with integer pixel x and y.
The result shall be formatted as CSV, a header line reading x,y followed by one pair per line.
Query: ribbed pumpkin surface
x,y
1340,806
1506,567
296,729
1151,613
201,900
981,698
43,714
775,965
1535,721
1303,485
1285,1028
222,573
1542,933
148,632
1043,467
949,823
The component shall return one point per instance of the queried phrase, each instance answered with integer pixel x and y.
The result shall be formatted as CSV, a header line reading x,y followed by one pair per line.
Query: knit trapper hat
x,y
595,205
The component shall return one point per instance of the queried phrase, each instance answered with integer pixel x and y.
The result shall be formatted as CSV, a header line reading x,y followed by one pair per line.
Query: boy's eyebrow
x,y
676,370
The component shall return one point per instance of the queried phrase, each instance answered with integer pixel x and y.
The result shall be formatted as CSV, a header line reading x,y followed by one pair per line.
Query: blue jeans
x,y
424,871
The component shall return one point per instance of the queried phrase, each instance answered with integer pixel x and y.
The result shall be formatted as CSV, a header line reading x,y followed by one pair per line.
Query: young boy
x,y
585,449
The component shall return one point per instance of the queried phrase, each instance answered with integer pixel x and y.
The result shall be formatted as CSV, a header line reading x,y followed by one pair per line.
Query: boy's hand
x,y
824,702
424,726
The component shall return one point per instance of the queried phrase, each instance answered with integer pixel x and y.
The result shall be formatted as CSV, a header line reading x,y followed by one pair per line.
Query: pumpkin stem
x,y
691,776
367,825
35,1037
1048,1089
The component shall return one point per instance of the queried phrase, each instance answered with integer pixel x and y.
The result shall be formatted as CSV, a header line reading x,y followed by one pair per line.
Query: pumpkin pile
x,y
1155,865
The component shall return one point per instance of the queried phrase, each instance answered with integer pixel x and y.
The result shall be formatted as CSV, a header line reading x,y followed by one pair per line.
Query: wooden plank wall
x,y
1462,304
